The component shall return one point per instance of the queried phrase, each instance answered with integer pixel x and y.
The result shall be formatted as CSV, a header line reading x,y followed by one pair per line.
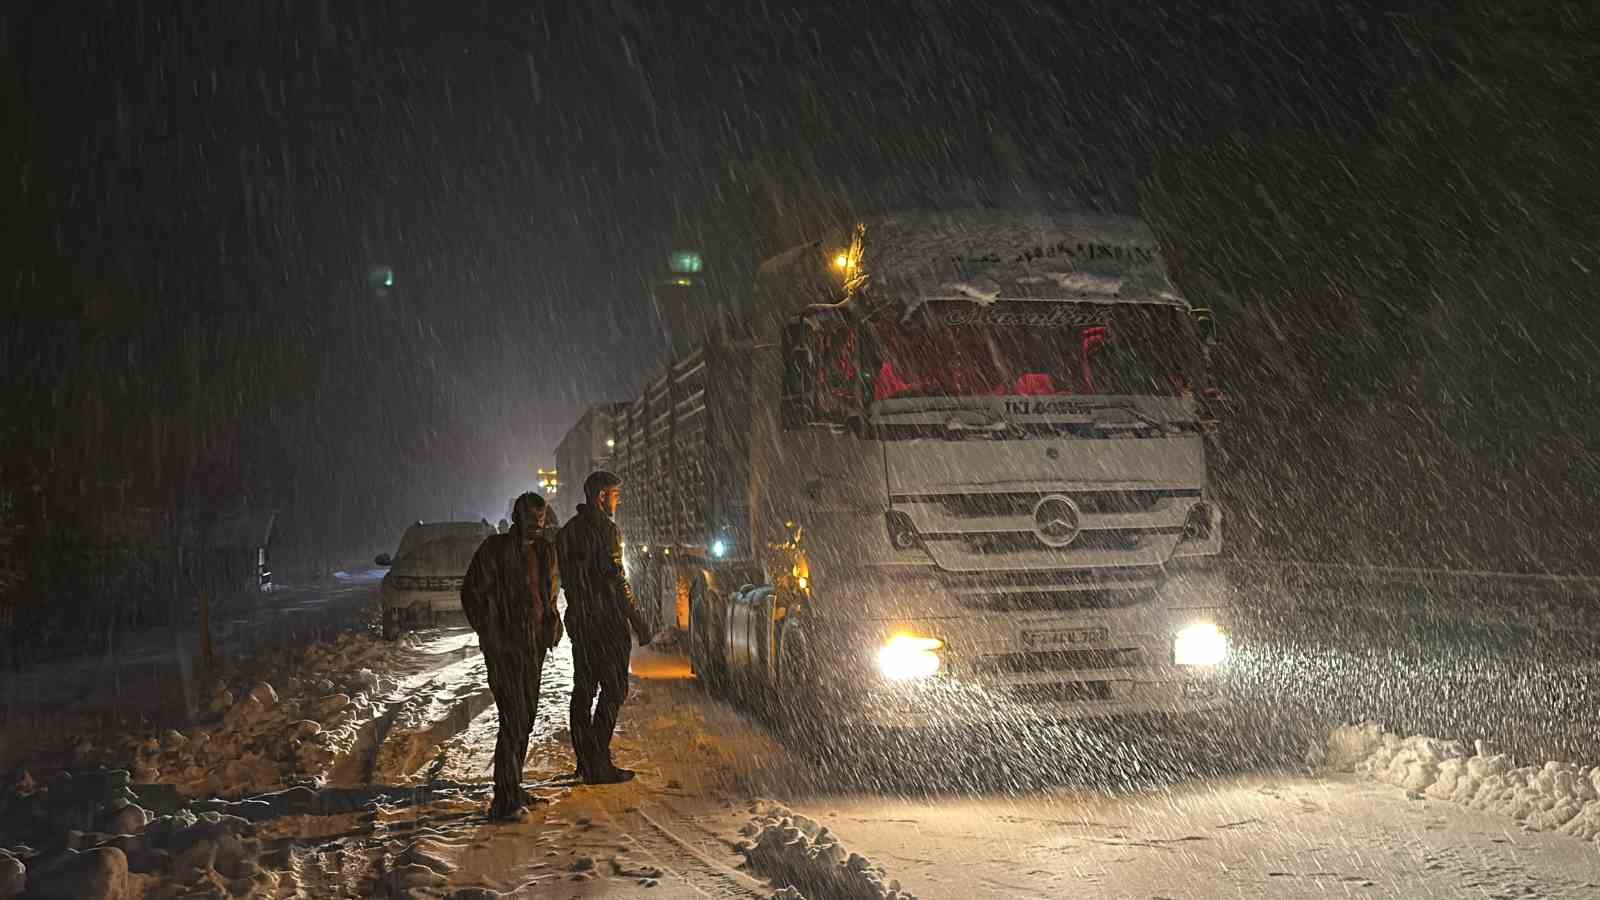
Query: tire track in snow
x,y
678,858
431,712
425,710
728,872
469,754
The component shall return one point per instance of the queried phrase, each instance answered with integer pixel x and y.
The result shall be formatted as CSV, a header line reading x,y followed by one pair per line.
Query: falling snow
x,y
1028,590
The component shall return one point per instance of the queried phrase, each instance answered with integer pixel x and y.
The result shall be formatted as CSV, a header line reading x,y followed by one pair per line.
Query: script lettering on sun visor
x,y
1057,316
1025,407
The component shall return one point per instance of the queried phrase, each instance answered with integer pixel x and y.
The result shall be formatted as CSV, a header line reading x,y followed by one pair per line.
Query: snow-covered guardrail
x,y
1349,572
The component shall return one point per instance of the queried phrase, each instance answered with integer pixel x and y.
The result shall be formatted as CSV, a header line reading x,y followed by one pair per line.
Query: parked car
x,y
425,573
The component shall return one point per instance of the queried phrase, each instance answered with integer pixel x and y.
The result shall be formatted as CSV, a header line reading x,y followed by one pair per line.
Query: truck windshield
x,y
961,349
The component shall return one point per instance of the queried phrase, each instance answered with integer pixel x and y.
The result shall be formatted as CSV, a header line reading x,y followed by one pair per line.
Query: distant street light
x,y
686,262
549,481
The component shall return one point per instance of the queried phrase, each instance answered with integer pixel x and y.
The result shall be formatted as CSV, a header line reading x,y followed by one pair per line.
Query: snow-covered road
x,y
705,769
1265,836
393,743
1262,834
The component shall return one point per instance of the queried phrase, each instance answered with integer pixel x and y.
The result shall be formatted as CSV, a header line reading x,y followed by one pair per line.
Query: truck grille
x,y
1027,542
1043,591
1021,504
996,533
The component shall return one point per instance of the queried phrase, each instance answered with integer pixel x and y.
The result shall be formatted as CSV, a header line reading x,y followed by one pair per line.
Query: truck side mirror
x,y
1207,325
797,406
1211,398
1212,403
382,559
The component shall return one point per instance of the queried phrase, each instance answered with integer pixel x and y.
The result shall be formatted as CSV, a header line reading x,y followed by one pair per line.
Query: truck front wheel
x,y
797,701
805,708
705,645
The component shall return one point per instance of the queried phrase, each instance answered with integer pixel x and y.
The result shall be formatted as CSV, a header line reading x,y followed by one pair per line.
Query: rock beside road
x,y
13,875
99,801
98,874
264,694
221,702
333,704
130,818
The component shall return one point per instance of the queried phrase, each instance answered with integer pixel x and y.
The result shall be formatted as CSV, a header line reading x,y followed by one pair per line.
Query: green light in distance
x,y
687,262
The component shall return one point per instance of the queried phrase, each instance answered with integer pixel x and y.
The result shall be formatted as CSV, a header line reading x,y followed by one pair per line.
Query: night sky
x,y
524,167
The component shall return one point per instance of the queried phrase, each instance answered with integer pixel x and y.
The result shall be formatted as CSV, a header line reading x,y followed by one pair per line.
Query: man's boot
x,y
603,771
607,773
583,747
507,810
594,764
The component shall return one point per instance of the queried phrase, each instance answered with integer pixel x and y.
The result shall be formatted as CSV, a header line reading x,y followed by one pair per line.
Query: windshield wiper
x,y
1162,425
973,423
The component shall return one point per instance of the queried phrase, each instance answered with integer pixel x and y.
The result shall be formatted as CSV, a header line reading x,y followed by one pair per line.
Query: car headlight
x,y
1200,644
905,657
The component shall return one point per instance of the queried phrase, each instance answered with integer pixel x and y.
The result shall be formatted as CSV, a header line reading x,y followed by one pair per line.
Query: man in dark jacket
x,y
600,610
509,596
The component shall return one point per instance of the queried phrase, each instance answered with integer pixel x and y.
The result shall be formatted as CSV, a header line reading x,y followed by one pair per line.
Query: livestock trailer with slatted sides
x,y
682,449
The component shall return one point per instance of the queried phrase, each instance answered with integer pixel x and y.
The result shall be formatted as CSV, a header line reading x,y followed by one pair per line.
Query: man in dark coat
x,y
600,610
509,596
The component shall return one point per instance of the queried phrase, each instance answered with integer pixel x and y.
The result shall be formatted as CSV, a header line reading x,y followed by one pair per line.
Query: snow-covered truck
x,y
946,468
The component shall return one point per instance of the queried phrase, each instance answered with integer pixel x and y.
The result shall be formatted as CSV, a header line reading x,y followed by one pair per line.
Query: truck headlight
x,y
905,657
1200,644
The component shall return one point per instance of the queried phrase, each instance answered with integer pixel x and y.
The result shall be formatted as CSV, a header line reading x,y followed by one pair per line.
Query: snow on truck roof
x,y
987,255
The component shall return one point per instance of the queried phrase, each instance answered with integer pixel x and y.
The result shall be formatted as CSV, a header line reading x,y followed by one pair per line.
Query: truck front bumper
x,y
420,601
949,703
1117,658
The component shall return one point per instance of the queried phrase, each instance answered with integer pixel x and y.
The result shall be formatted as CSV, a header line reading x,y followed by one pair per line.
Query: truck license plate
x,y
1047,640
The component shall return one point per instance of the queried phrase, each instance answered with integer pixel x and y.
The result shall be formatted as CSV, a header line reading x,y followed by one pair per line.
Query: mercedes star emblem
x,y
1056,520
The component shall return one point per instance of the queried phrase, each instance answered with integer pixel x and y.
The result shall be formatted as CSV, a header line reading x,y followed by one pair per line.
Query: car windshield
x,y
418,535
449,555
961,349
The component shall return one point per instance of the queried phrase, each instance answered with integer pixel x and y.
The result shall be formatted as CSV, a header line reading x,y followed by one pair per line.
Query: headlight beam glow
x,y
906,657
1200,644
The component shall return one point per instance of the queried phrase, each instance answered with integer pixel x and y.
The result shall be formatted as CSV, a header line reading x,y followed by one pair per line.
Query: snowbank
x,y
1556,796
266,737
809,861
114,848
